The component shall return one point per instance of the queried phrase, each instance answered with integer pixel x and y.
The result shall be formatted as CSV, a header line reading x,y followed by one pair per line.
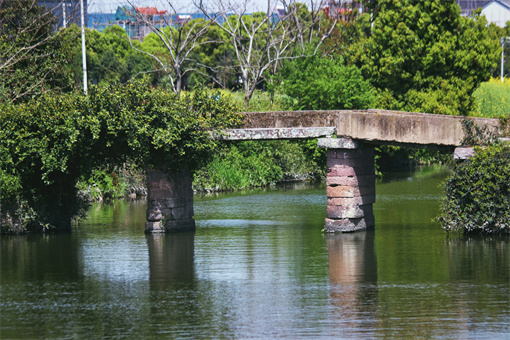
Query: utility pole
x,y
64,14
83,51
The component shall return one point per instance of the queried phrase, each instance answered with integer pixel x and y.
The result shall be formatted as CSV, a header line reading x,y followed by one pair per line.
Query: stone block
x,y
348,211
348,191
359,200
154,227
350,154
180,225
356,162
181,213
463,153
345,225
349,171
363,180
154,216
339,143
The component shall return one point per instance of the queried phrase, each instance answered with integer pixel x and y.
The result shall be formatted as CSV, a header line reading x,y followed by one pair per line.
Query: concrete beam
x,y
376,126
276,133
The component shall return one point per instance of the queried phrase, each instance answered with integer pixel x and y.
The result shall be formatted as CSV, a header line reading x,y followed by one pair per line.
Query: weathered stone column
x,y
350,185
170,201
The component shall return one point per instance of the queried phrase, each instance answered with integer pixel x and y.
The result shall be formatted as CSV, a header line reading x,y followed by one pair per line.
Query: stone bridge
x,y
350,137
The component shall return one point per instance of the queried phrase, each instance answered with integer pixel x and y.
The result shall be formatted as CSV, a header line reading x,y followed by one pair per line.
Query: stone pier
x,y
170,201
350,185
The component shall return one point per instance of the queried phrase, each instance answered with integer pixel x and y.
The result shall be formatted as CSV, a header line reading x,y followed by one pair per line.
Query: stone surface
x,y
275,133
351,154
339,143
358,200
170,200
379,126
348,191
463,153
362,180
349,171
348,225
348,211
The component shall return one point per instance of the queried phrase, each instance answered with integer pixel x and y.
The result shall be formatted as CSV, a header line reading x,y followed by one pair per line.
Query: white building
x,y
496,11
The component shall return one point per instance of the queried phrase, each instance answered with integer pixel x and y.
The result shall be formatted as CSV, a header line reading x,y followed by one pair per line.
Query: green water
x,y
258,266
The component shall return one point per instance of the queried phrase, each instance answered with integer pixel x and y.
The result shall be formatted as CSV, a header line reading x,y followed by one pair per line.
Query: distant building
x,y
343,9
496,11
67,12
136,20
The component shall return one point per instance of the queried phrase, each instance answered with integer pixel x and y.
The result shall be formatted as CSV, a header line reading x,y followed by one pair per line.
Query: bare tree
x,y
180,34
261,40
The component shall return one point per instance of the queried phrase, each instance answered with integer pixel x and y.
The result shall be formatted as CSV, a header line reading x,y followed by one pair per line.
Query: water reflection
x,y
353,278
171,259
258,266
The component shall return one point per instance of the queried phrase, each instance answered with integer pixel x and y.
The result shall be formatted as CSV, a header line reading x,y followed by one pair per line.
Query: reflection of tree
x,y
353,277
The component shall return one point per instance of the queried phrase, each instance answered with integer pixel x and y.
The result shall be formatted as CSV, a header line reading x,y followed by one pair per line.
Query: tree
x,y
424,56
174,41
319,83
110,57
262,40
31,56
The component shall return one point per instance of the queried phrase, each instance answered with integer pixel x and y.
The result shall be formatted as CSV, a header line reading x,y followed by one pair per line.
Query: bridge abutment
x,y
169,201
350,185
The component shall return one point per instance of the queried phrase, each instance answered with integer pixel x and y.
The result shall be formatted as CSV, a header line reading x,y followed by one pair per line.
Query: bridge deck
x,y
376,126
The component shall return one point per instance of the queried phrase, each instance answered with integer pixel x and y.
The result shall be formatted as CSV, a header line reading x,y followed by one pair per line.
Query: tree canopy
x,y
424,56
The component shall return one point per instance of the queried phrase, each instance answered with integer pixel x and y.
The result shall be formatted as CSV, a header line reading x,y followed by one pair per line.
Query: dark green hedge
x,y
478,193
46,145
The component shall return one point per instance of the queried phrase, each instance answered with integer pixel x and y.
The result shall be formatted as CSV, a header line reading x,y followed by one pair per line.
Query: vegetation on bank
x,y
492,99
478,193
48,144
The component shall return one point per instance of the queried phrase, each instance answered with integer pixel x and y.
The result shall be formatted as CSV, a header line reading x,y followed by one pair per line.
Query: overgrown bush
x,y
46,145
478,193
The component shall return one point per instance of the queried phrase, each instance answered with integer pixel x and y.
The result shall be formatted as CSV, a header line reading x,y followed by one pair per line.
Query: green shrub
x,y
492,99
478,193
250,164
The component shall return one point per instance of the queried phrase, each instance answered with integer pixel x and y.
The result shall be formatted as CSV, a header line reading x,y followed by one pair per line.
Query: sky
x,y
109,6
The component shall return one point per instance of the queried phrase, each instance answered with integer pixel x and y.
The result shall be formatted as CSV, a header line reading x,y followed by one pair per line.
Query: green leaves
x,y
325,84
46,145
478,193
426,56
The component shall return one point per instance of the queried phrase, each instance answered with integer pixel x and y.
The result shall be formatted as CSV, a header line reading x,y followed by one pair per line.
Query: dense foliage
x,y
46,145
326,84
423,56
478,193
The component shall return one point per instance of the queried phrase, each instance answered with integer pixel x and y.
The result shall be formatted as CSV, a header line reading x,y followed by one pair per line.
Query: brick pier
x,y
350,185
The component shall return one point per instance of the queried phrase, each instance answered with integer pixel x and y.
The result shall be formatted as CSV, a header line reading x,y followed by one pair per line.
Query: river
x,y
258,266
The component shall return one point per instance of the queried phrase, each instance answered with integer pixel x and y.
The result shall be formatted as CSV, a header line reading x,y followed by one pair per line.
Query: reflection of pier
x,y
353,277
170,259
